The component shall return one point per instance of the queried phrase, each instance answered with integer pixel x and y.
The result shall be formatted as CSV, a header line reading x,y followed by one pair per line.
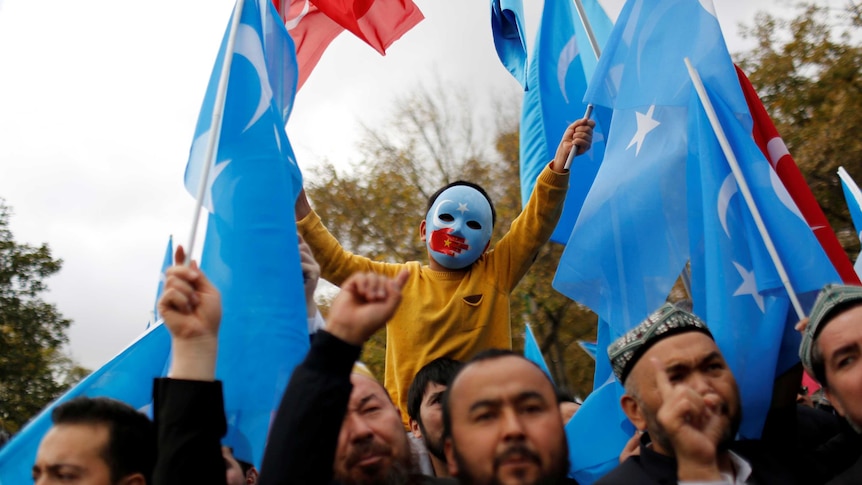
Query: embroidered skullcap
x,y
832,300
668,320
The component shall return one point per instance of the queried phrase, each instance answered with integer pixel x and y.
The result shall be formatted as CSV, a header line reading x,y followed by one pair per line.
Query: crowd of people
x,y
456,404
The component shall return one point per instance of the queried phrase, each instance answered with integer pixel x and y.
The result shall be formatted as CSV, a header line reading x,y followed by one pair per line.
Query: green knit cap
x,y
831,298
668,320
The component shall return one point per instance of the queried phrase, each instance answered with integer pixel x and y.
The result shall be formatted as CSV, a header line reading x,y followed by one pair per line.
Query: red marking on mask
x,y
442,241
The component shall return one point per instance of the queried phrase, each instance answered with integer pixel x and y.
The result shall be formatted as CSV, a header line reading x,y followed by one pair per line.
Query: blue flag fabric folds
x,y
562,62
250,251
127,377
533,353
589,458
630,243
597,433
507,27
854,204
735,286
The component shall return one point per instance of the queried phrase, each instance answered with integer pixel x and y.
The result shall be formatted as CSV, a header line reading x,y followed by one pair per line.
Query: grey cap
x,y
668,320
831,298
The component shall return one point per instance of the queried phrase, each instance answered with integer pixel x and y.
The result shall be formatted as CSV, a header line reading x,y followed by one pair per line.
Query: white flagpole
x,y
597,51
215,125
743,186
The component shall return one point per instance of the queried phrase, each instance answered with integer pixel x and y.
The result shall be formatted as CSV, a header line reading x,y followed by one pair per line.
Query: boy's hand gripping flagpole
x,y
598,52
743,186
215,127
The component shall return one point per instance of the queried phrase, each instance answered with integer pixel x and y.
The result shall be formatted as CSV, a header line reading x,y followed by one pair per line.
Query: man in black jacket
x,y
681,393
336,423
831,351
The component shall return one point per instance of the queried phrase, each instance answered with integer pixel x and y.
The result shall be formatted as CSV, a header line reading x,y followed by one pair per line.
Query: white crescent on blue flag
x,y
735,286
562,62
853,196
507,27
250,252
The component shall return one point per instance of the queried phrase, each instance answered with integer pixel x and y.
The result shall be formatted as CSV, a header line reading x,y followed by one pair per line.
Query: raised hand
x,y
579,134
694,423
364,305
191,307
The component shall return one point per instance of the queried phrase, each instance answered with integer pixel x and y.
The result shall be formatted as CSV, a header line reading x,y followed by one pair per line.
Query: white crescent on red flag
x,y
767,138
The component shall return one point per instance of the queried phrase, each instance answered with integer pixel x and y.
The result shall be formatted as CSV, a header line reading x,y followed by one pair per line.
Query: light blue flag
x,y
562,62
630,241
601,430
590,348
127,377
854,204
597,433
250,252
168,261
507,27
532,351
735,286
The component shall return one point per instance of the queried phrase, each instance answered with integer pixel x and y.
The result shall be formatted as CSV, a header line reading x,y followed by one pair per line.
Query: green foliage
x,y
808,72
33,371
376,208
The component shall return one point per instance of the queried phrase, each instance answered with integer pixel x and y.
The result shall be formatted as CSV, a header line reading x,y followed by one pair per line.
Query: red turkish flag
x,y
767,138
313,24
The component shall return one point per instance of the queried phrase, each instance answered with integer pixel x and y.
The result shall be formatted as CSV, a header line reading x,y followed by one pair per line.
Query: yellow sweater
x,y
452,314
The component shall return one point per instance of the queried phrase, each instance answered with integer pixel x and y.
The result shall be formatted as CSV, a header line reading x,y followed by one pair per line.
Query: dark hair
x,y
488,354
439,371
478,187
818,365
131,444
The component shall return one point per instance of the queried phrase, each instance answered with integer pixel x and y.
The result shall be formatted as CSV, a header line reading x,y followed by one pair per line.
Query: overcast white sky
x,y
98,101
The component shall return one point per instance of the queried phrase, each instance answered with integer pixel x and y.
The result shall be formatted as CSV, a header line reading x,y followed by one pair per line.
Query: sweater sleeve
x,y
517,249
304,435
336,263
190,423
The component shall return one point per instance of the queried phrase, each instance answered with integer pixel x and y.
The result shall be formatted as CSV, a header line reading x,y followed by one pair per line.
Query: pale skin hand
x,y
364,305
579,134
191,307
693,424
310,276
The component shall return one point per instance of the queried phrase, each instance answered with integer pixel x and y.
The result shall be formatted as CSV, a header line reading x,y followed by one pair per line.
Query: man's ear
x,y
251,476
451,462
414,428
633,411
422,231
133,479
